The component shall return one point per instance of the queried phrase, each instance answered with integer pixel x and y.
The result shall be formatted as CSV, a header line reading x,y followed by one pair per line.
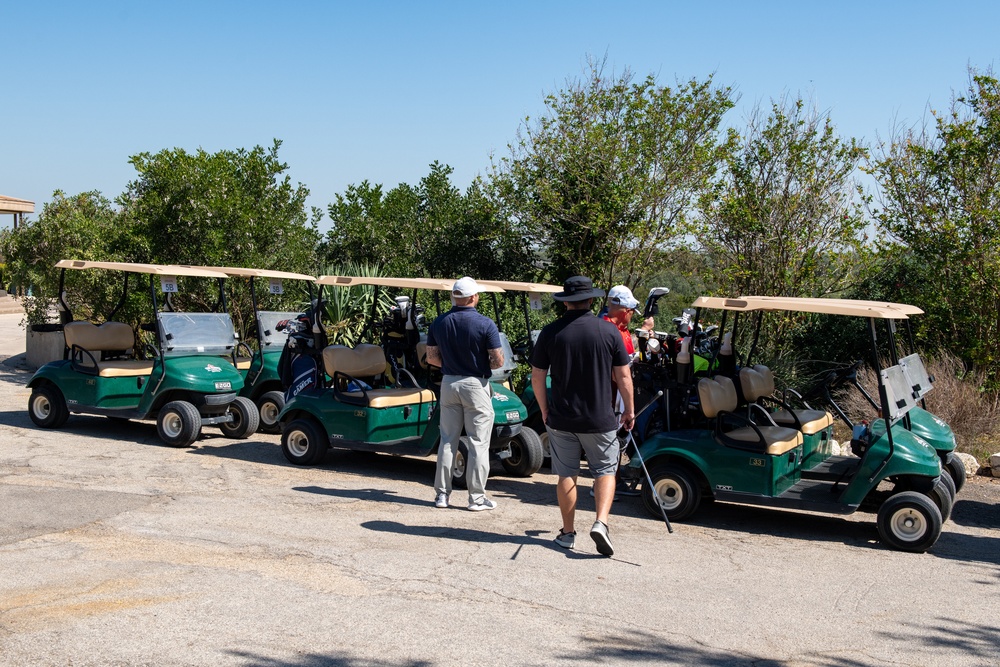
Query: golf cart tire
x,y
178,423
675,488
460,466
526,452
943,497
269,405
909,521
47,407
303,442
246,419
956,470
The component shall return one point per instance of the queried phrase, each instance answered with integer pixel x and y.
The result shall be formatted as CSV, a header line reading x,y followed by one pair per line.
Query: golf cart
x,y
182,381
375,405
918,420
259,367
725,444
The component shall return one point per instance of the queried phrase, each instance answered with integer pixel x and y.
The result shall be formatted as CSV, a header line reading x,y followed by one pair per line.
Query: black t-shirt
x,y
579,350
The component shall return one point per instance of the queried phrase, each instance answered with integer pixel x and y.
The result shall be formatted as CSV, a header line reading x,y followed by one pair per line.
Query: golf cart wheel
x,y
956,470
943,497
178,423
47,407
526,455
269,406
674,489
246,419
460,465
950,483
304,442
909,521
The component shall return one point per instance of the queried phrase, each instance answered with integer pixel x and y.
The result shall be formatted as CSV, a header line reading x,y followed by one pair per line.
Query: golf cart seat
x,y
719,402
422,355
111,339
758,383
348,366
242,363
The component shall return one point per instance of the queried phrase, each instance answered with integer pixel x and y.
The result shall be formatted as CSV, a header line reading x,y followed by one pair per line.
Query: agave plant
x,y
347,310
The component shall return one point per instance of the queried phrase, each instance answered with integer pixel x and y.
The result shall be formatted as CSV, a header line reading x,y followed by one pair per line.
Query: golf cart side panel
x,y
931,428
85,390
507,407
727,468
358,423
817,448
262,376
201,375
911,456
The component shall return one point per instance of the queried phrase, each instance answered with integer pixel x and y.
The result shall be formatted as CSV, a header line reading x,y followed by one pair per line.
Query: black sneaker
x,y
599,533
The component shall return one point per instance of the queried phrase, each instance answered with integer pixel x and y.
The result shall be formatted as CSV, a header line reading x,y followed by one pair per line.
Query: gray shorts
x,y
602,451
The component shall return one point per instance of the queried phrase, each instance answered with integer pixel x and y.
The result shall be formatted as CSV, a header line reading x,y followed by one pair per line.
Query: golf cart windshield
x,y
184,334
898,391
267,321
916,375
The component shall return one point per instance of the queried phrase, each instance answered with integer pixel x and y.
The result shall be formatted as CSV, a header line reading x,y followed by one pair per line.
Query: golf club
x,y
649,480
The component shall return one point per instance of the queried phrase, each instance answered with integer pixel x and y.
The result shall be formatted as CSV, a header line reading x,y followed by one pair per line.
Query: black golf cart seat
x,y
363,364
758,383
719,402
90,346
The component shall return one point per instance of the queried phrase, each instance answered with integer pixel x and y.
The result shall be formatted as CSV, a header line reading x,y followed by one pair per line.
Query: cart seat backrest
x,y
105,337
754,383
767,375
362,361
422,354
717,395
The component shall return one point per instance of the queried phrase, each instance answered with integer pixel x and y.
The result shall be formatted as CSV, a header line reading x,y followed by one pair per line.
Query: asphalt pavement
x,y
118,550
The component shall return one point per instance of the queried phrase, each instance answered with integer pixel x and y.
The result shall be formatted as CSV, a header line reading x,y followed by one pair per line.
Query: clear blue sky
x,y
379,90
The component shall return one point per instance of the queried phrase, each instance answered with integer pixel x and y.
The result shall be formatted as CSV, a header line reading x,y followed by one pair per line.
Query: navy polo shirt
x,y
465,337
580,350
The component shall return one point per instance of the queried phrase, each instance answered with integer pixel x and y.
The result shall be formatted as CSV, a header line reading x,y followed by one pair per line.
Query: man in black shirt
x,y
583,354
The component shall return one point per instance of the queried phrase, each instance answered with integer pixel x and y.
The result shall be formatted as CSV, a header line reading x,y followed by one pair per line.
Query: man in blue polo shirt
x,y
466,345
583,354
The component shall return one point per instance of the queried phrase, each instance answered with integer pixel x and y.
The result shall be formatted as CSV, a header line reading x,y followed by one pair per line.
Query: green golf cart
x,y
726,445
183,381
259,367
372,405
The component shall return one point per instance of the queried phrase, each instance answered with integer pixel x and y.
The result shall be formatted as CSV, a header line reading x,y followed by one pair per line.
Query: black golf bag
x,y
299,365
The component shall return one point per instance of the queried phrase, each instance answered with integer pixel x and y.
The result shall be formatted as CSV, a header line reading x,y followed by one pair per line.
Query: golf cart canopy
x,y
131,267
879,310
258,273
404,283
512,286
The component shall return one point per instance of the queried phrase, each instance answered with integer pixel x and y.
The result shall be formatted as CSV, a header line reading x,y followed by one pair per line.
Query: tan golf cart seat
x,y
88,343
758,382
719,401
366,362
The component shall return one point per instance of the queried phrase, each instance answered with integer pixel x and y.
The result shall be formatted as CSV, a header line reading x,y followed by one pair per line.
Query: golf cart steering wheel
x,y
839,376
236,350
149,351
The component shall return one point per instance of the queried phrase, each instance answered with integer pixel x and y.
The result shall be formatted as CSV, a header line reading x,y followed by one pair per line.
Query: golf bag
x,y
299,363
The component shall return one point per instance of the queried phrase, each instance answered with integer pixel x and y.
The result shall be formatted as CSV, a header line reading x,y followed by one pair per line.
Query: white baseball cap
x,y
465,287
621,295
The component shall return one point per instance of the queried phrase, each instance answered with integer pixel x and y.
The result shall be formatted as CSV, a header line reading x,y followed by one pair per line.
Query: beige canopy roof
x,y
257,273
903,307
13,205
156,269
405,283
803,305
512,286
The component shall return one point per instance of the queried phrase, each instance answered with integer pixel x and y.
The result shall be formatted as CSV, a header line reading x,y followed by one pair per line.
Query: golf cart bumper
x,y
504,431
213,406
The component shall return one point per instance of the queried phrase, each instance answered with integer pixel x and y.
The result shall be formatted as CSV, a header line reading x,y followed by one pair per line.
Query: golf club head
x,y
657,292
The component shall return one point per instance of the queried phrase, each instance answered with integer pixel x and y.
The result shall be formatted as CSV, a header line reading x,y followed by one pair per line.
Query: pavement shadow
x,y
332,659
376,495
529,538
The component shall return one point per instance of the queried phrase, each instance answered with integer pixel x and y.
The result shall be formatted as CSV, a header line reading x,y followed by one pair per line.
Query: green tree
x,y
83,226
230,208
604,179
784,218
428,230
940,202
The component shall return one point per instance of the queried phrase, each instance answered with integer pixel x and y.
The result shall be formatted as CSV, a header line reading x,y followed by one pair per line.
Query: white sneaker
x,y
484,503
441,501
